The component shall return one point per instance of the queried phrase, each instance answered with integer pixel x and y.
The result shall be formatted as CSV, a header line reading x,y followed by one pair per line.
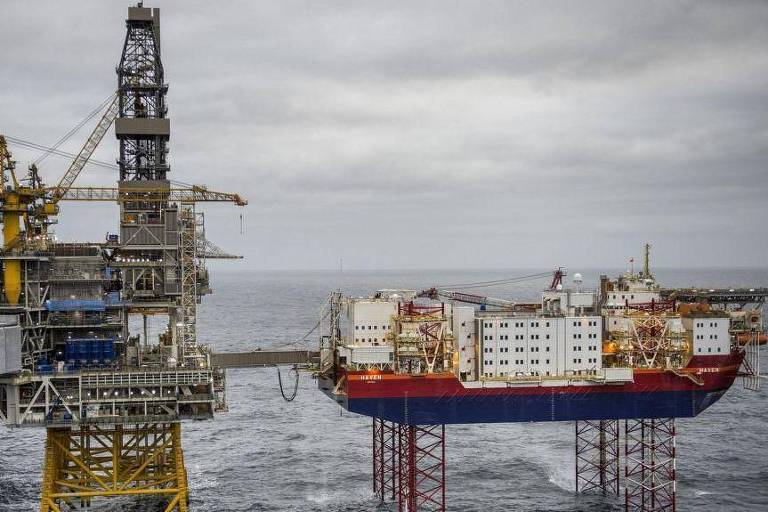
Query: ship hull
x,y
442,399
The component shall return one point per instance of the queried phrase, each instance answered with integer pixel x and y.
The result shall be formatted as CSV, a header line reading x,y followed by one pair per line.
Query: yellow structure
x,y
14,206
93,462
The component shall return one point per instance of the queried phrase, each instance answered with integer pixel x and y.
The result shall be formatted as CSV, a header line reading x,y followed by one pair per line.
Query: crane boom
x,y
86,151
194,194
468,298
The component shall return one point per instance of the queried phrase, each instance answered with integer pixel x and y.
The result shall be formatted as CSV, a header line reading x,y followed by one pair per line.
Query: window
x,y
357,327
547,361
547,349
375,327
547,336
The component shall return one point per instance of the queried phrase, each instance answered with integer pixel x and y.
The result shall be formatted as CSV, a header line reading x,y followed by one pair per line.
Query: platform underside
x,y
554,406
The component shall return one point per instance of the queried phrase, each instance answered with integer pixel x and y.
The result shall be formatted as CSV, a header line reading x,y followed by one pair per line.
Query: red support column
x,y
650,474
421,468
384,459
597,456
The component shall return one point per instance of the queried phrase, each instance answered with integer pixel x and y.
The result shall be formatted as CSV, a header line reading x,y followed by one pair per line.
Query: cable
x,y
58,152
482,284
74,129
289,398
92,161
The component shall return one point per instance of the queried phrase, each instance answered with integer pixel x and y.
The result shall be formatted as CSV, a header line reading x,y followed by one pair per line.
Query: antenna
x,y
647,261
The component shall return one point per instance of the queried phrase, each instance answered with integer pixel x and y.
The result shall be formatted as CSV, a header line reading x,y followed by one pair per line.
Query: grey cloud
x,y
432,133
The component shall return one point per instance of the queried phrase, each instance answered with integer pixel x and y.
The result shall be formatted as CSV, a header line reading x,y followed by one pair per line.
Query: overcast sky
x,y
430,134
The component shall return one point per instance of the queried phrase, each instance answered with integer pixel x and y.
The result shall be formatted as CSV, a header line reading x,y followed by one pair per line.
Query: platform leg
x,y
95,462
421,468
649,446
597,456
385,459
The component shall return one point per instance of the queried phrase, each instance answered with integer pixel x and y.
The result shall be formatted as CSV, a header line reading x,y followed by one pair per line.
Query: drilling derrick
x,y
111,402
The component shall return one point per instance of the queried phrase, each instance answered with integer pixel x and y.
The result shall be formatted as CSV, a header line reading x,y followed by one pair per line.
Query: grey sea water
x,y
308,455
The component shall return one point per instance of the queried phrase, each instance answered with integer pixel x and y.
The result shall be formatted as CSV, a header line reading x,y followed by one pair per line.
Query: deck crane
x,y
29,202
468,298
438,293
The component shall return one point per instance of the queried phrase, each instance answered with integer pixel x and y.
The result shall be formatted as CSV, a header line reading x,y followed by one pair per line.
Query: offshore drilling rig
x,y
111,401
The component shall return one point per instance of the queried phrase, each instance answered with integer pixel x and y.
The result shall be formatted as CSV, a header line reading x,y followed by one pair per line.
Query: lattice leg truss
x,y
385,437
650,465
421,468
93,462
597,456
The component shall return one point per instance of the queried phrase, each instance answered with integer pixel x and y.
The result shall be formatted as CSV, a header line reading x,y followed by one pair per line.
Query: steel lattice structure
x,y
650,476
187,327
386,436
423,451
597,456
95,462
409,465
141,93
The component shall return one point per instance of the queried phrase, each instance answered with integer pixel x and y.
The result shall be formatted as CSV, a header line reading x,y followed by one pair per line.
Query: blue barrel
x,y
108,351
83,353
94,348
70,352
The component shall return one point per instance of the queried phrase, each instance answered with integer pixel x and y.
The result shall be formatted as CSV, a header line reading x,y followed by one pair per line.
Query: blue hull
x,y
555,406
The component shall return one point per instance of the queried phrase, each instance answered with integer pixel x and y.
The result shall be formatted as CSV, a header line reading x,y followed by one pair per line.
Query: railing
x,y
197,397
102,420
134,378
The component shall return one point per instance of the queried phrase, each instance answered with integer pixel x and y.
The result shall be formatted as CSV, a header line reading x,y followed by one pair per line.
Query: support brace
x,y
95,462
597,456
650,475
409,465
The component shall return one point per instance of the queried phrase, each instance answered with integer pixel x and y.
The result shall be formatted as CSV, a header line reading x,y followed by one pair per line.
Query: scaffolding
x,y
187,326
